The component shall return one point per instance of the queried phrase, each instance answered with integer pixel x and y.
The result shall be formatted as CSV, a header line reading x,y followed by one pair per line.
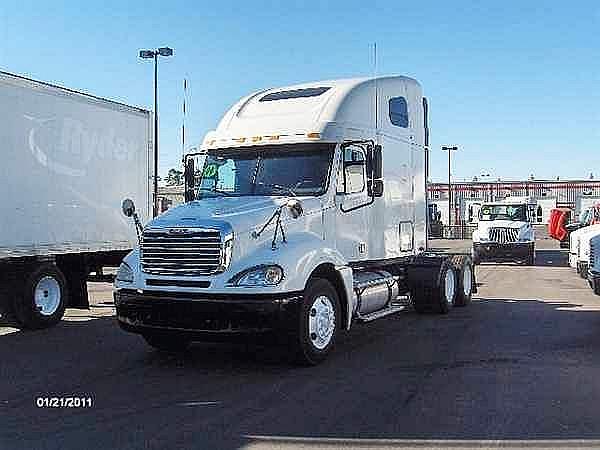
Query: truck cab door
x,y
352,203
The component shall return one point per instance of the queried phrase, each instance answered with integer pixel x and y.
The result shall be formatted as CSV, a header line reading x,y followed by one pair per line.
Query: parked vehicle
x,y
305,213
579,248
67,160
505,231
557,225
593,274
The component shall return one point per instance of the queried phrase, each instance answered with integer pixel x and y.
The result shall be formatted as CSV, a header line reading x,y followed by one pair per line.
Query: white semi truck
x,y
67,160
505,231
593,274
306,212
579,248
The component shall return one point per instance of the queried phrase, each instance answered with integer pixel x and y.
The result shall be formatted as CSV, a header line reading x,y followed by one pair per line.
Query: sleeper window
x,y
399,112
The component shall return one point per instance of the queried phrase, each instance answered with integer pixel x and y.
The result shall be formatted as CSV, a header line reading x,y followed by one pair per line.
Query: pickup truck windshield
x,y
286,170
503,212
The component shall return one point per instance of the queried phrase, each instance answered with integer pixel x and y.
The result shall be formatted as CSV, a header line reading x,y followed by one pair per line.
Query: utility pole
x,y
450,208
154,54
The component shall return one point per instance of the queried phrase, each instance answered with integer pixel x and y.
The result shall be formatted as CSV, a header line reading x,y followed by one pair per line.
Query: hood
x,y
242,213
487,224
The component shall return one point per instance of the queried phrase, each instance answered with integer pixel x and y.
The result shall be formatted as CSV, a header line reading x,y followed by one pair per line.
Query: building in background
x,y
468,196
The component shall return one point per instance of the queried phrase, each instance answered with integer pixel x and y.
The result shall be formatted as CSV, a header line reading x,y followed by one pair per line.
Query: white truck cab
x,y
305,212
579,248
593,274
505,231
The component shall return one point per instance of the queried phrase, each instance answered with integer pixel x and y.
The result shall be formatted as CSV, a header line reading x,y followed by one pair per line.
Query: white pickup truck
x,y
305,213
505,231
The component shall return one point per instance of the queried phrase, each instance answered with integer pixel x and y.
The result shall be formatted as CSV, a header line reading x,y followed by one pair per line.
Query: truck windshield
x,y
286,170
503,212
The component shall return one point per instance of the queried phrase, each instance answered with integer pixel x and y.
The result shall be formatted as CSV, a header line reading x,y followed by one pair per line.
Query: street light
x,y
154,54
449,150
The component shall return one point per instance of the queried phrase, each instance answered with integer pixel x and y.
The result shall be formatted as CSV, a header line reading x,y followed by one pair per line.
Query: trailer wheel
x,y
434,288
318,324
465,279
43,299
167,342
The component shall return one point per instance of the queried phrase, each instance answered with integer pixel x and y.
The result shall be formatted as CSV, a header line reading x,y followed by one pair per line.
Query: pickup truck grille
x,y
181,251
504,235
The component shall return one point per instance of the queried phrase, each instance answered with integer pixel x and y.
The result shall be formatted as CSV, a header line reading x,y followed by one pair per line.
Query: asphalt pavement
x,y
519,367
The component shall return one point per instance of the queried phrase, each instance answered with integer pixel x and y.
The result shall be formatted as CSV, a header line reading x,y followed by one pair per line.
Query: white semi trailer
x,y
305,212
67,160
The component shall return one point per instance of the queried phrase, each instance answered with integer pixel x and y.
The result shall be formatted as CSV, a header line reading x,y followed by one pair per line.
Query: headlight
x,y
125,273
258,276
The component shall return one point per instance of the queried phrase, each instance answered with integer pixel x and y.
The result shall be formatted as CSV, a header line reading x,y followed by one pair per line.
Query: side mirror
x,y
377,171
189,173
295,207
128,207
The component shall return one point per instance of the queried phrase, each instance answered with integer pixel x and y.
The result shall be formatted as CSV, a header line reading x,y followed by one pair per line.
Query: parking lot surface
x,y
519,367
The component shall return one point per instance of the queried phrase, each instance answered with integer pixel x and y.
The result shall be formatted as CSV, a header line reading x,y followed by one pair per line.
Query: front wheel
x,y
318,323
531,256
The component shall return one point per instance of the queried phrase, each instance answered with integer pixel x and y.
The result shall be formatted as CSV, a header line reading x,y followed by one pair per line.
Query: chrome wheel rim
x,y
449,286
321,322
467,279
47,295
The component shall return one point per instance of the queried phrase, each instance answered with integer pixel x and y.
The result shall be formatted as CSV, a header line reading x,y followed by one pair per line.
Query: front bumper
x,y
206,316
497,251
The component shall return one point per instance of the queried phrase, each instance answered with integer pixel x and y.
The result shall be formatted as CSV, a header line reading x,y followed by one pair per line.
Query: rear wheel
x,y
465,279
167,342
318,323
433,287
42,301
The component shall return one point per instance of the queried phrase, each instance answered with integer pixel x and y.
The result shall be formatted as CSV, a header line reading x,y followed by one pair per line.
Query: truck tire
x,y
583,270
318,323
530,261
433,288
43,298
475,257
465,279
596,287
167,342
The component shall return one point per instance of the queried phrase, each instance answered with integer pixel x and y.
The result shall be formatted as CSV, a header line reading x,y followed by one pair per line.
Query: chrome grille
x,y
181,251
504,235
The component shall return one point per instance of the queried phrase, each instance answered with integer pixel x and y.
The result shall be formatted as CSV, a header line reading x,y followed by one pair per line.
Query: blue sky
x,y
516,84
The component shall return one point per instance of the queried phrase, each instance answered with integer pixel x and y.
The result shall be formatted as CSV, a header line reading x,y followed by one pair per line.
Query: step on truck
x,y
505,231
67,160
305,213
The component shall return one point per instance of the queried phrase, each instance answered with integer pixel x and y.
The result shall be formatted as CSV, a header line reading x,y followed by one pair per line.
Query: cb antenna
x,y
184,117
376,91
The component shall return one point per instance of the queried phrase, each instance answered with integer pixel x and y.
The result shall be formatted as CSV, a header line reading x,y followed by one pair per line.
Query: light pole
x,y
450,209
150,54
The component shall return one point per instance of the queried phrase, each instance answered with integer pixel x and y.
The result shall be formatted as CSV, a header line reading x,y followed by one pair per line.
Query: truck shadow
x,y
498,369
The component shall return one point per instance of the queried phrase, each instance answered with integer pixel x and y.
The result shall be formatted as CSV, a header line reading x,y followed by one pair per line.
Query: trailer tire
x,y
42,301
465,274
167,342
318,324
433,288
